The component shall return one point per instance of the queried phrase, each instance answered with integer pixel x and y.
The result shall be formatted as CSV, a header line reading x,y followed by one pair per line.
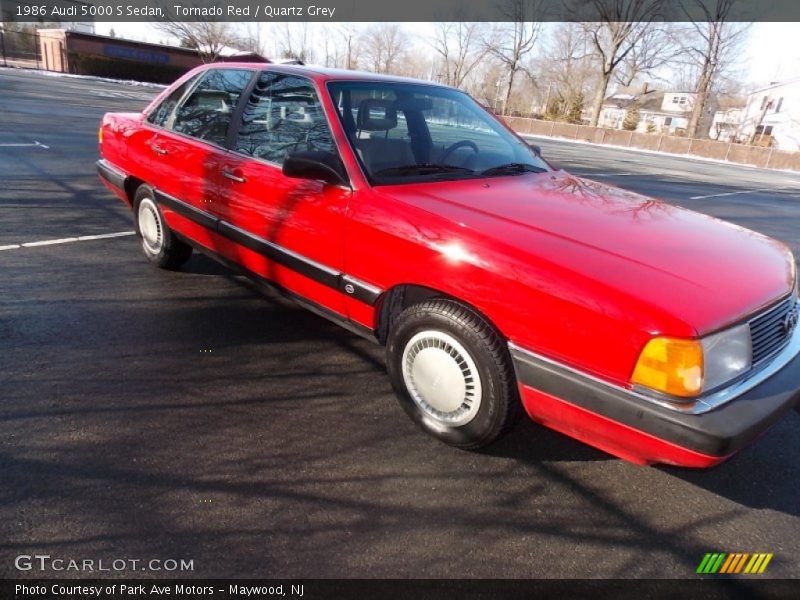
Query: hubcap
x,y
442,378
150,226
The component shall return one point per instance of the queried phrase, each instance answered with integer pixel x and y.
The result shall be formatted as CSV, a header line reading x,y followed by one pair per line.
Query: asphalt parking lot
x,y
151,415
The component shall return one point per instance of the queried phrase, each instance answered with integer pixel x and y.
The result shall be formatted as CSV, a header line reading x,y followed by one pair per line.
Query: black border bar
x,y
706,587
379,11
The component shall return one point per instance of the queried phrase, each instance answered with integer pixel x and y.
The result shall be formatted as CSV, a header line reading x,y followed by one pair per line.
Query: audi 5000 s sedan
x,y
406,212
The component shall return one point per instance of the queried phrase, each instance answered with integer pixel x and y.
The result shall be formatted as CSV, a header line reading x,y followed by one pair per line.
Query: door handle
x,y
158,149
233,176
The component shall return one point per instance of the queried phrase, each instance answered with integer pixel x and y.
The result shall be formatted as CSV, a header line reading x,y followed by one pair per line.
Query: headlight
x,y
687,368
727,354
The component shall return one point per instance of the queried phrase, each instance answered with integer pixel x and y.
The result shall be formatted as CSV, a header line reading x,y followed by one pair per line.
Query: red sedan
x,y
409,214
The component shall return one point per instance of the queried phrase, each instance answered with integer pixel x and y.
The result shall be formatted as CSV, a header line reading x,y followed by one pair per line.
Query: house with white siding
x,y
772,116
726,124
659,111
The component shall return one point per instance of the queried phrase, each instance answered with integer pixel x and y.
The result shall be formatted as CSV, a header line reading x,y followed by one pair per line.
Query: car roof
x,y
323,74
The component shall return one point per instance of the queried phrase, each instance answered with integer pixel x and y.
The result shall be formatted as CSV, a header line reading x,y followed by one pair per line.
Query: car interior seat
x,y
380,152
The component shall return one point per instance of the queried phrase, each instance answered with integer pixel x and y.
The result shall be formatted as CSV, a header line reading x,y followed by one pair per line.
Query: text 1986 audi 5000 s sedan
x,y
408,213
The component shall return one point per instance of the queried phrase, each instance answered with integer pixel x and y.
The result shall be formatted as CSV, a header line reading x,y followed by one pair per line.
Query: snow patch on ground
x,y
87,77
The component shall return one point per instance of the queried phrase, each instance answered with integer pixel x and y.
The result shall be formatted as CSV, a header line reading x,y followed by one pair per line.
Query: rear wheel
x,y
452,374
159,244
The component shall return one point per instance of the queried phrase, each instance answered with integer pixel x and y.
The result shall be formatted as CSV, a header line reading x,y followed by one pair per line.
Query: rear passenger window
x,y
283,115
163,111
206,112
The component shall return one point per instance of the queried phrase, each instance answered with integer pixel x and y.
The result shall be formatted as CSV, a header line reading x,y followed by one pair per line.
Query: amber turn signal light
x,y
672,366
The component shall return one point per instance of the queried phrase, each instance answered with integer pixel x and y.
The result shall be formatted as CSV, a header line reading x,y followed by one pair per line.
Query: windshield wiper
x,y
422,169
513,169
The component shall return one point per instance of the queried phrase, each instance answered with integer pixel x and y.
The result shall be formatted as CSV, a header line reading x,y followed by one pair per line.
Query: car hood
x,y
706,272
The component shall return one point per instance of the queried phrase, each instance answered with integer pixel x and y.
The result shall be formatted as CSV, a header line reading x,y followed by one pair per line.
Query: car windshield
x,y
407,133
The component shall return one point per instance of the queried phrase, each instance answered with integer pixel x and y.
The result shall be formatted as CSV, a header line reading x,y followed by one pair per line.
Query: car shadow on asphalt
x,y
255,458
762,476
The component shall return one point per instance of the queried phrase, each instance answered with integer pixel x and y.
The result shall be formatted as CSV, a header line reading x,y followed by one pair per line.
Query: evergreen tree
x,y
631,118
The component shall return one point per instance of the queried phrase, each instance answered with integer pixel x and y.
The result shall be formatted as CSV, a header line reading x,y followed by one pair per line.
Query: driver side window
x,y
283,115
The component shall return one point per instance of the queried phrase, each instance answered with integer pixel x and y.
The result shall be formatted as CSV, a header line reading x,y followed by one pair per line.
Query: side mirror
x,y
537,150
316,165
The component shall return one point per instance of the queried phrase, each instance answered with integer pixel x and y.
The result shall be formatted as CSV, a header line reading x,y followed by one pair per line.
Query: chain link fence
x,y
20,49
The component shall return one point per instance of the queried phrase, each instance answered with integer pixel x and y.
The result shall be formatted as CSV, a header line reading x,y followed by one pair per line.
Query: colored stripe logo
x,y
737,562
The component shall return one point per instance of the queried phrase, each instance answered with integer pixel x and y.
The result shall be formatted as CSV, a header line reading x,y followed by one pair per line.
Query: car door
x,y
187,152
291,229
140,141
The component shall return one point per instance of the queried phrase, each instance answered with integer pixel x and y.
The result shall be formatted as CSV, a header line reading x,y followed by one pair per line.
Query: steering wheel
x,y
462,144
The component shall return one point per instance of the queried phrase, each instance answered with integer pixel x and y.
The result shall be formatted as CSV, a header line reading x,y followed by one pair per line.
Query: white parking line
x,y
69,240
590,175
769,189
26,145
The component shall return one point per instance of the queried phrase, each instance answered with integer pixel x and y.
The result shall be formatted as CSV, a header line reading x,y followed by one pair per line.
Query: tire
x,y
452,373
159,244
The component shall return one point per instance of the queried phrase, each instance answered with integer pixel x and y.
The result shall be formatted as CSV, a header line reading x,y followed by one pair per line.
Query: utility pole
x,y
767,106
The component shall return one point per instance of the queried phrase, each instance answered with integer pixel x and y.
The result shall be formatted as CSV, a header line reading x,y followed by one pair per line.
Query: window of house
x,y
764,130
206,112
778,106
163,111
763,102
667,121
283,115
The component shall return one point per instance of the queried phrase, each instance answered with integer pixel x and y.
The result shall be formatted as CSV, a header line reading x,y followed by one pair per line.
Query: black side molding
x,y
312,270
200,217
320,273
111,174
263,284
358,289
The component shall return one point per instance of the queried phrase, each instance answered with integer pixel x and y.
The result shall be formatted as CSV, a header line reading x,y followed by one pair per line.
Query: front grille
x,y
768,330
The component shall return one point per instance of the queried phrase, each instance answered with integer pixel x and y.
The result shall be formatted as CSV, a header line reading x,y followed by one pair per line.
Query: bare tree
x,y
622,26
514,40
711,47
460,47
383,46
350,38
567,66
658,46
294,41
251,39
208,38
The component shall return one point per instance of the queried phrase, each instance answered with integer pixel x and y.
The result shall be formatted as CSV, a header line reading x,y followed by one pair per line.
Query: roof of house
x,y
650,101
775,84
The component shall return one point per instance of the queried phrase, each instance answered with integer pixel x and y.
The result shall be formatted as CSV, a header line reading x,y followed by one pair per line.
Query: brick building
x,y
82,53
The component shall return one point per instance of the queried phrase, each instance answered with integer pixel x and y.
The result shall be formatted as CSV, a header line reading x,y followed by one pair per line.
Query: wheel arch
x,y
399,297
131,185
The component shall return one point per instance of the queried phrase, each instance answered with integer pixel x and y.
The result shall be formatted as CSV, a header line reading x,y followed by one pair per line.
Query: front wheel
x,y
452,374
159,244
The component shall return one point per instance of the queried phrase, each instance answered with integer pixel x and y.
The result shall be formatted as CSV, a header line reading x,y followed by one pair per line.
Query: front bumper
x,y
619,422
